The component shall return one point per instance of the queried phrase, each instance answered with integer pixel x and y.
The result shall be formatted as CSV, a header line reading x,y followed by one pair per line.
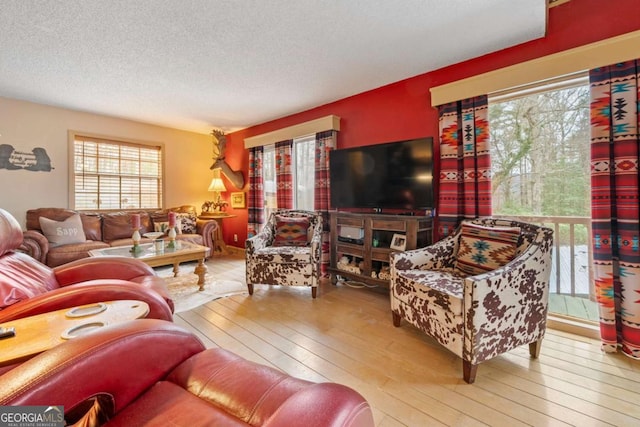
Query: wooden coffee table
x,y
183,252
35,334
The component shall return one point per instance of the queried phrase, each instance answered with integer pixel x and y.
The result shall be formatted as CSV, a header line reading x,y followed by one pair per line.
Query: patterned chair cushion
x,y
484,249
444,289
291,231
283,254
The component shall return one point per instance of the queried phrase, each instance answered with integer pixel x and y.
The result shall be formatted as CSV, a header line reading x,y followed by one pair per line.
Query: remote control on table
x,y
7,332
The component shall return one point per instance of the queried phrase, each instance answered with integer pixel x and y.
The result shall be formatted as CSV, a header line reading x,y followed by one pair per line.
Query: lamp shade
x,y
217,185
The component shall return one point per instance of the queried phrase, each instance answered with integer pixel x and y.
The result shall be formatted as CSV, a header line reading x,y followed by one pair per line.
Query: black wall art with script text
x,y
35,160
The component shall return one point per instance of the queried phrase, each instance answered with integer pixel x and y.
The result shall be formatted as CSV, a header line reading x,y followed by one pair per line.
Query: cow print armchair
x,y
480,292
286,251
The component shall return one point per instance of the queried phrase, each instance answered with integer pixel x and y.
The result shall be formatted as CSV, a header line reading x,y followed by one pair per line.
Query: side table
x,y
220,246
35,334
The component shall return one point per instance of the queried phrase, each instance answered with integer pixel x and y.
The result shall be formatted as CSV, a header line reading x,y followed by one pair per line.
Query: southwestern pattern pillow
x,y
484,249
291,231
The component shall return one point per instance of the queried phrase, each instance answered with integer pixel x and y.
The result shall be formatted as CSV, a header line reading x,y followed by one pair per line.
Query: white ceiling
x,y
229,64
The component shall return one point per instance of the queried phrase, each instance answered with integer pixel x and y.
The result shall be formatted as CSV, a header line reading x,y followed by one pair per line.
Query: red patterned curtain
x,y
255,197
284,177
615,183
465,167
325,142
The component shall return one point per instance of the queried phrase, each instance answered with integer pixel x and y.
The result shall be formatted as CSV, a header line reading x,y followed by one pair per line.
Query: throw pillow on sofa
x,y
187,223
63,232
163,226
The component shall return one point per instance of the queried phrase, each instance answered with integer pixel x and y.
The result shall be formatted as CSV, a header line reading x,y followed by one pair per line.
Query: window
x,y
303,161
269,179
539,139
304,173
540,164
109,174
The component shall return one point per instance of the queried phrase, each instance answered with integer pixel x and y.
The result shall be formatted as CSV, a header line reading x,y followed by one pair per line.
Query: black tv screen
x,y
394,175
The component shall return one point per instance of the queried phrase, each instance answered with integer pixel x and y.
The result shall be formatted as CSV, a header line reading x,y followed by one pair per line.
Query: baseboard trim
x,y
235,251
572,326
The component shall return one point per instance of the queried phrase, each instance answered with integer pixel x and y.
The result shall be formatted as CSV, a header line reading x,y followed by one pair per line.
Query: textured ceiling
x,y
229,64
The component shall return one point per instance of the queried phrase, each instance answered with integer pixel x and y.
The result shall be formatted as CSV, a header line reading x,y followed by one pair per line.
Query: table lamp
x,y
217,187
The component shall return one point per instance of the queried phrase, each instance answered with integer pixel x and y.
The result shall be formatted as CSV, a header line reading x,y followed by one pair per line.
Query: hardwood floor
x,y
346,336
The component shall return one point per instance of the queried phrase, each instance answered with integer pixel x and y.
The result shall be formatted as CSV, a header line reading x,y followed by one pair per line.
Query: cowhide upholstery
x,y
482,316
285,265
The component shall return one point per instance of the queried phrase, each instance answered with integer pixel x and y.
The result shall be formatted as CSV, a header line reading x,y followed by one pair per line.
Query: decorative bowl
x,y
153,234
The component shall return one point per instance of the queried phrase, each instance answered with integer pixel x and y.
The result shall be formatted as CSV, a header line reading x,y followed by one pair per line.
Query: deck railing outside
x,y
571,272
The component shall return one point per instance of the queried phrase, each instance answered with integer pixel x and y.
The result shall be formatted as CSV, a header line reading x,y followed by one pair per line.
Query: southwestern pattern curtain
x,y
465,167
284,177
255,197
615,147
325,142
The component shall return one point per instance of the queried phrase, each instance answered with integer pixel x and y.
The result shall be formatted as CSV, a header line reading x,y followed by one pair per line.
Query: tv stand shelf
x,y
368,262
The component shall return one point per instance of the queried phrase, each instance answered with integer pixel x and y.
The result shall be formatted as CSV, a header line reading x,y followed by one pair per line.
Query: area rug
x,y
184,288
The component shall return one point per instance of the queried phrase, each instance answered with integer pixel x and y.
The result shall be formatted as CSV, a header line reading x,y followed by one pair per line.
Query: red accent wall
x,y
402,110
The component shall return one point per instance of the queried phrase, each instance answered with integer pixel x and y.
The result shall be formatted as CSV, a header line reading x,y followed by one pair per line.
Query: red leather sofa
x,y
170,379
28,287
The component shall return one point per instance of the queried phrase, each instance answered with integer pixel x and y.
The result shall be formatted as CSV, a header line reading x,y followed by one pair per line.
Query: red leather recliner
x,y
28,287
170,379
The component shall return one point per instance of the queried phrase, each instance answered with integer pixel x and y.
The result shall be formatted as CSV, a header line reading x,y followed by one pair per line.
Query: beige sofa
x,y
105,229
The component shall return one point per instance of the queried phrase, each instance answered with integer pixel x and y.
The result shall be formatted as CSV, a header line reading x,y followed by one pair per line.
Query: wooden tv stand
x,y
369,256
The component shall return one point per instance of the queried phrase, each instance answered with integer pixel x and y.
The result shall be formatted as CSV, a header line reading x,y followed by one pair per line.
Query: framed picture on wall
x,y
398,242
238,200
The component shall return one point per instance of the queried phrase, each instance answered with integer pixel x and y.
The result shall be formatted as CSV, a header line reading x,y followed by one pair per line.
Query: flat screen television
x,y
394,175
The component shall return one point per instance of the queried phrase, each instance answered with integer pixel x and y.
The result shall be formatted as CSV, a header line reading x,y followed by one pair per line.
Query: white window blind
x,y
116,175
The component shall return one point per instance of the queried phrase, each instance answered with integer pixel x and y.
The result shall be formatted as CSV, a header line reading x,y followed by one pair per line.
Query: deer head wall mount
x,y
219,147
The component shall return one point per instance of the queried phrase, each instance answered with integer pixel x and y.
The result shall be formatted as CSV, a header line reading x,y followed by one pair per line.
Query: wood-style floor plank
x,y
346,336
